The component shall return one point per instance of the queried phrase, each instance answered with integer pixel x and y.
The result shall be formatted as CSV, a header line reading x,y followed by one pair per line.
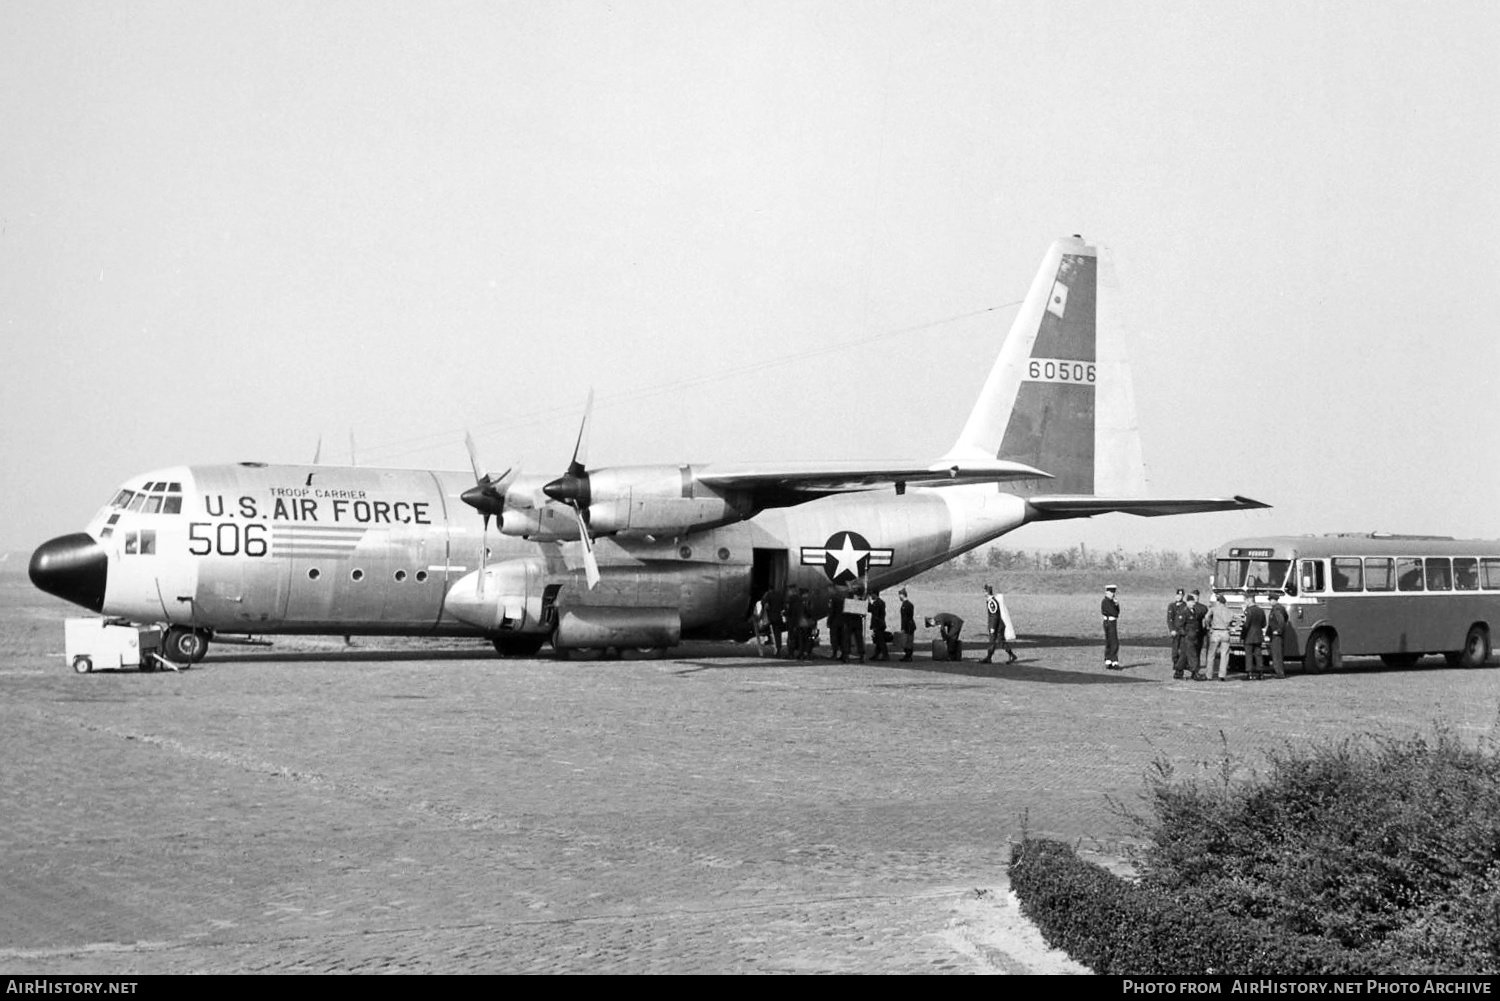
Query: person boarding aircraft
x,y
625,556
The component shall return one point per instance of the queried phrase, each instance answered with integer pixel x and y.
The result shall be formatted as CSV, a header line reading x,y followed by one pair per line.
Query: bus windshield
x,y
1241,574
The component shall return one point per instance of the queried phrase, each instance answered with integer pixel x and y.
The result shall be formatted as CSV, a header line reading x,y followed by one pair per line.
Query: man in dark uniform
x,y
1192,638
876,608
1176,611
1276,623
908,623
1110,610
838,647
949,626
1254,636
854,627
1001,632
794,614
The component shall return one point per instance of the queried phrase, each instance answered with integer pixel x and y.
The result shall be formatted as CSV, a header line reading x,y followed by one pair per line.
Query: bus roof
x,y
1284,547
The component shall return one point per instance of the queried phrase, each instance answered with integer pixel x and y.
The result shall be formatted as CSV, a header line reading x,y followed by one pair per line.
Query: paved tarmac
x,y
443,811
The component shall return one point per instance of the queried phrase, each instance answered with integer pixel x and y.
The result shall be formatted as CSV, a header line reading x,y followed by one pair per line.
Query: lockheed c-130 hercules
x,y
627,556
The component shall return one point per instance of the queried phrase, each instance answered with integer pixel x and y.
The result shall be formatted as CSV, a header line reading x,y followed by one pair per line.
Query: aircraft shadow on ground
x,y
348,656
1026,669
1029,667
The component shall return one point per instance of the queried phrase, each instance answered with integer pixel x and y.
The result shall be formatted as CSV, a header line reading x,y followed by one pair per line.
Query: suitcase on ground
x,y
940,649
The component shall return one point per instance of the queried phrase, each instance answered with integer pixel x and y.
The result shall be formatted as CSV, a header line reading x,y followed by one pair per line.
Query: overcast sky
x,y
228,229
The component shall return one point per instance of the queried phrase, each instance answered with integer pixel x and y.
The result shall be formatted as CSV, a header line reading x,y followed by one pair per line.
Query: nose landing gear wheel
x,y
185,646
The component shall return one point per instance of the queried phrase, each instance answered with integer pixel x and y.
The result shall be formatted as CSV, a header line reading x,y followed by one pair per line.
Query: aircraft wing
x,y
1056,507
807,478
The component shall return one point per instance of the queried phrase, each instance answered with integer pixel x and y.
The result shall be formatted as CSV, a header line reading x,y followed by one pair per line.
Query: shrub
x,y
1369,855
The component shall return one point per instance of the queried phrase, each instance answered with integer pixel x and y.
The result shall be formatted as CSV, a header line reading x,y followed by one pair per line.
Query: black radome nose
x,y
73,567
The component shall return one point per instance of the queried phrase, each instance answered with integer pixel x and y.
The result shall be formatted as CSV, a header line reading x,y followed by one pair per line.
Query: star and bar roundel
x,y
846,556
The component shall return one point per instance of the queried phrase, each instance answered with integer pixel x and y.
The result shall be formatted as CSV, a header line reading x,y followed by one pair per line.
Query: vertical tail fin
x,y
1059,397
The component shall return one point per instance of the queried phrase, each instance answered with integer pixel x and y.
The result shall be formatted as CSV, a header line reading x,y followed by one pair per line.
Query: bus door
x,y
1307,602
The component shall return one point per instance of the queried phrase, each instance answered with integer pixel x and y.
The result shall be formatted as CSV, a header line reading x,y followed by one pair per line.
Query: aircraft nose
x,y
73,567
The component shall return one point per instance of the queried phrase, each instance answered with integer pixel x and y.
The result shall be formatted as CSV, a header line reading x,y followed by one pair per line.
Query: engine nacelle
x,y
548,522
638,500
657,500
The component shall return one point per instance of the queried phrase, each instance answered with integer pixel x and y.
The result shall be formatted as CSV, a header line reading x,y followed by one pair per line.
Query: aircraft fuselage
x,y
275,549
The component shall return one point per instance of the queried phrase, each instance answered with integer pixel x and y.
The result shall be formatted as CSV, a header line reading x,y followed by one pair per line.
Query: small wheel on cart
x,y
82,664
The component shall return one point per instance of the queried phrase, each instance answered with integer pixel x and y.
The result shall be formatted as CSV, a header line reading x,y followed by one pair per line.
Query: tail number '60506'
x,y
1059,370
227,538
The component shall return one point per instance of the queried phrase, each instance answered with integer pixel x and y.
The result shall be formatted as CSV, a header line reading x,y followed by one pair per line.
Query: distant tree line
x,y
1080,557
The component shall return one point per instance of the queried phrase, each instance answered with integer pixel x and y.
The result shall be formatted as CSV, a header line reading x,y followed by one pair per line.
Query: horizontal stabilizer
x,y
1055,507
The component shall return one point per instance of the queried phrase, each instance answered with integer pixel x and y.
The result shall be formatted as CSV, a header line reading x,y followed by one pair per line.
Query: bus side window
x,y
1347,572
1378,575
1312,575
1439,573
1408,573
1465,574
1489,573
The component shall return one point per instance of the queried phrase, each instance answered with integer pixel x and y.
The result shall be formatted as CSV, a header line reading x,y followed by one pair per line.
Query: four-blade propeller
x,y
572,488
487,495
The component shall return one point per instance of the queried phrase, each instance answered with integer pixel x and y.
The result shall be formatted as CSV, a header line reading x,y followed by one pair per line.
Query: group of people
x,y
1199,632
793,617
1200,635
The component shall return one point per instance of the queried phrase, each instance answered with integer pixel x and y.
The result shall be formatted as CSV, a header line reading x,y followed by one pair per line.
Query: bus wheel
x,y
1400,659
1322,650
185,646
1476,647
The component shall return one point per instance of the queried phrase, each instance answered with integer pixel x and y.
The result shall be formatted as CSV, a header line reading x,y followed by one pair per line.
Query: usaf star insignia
x,y
846,556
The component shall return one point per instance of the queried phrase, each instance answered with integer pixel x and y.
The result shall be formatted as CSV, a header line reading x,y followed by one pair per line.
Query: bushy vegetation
x,y
1371,855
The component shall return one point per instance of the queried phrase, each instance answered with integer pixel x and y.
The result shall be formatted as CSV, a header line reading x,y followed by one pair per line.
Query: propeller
x,y
572,488
487,496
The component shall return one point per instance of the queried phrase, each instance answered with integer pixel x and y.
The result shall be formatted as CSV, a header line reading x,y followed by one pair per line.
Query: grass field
x,y
411,806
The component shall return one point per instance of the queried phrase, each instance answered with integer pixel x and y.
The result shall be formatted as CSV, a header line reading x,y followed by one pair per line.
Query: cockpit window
x,y
174,488
172,505
122,498
137,502
153,504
